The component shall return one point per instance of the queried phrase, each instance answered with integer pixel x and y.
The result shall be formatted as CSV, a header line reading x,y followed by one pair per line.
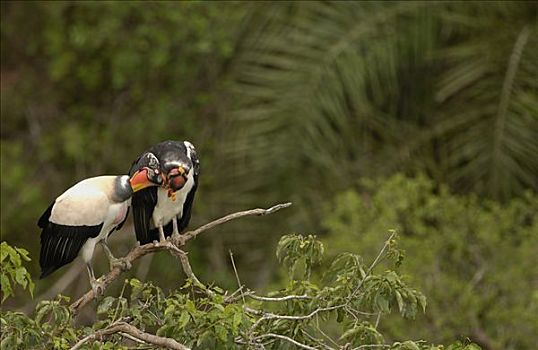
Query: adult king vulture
x,y
158,212
86,214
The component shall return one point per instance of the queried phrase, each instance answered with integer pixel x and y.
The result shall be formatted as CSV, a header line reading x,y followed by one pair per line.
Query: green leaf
x,y
238,317
7,291
105,305
183,319
400,301
221,332
422,301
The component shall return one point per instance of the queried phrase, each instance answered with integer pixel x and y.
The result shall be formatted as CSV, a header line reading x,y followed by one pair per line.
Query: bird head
x,y
177,174
146,177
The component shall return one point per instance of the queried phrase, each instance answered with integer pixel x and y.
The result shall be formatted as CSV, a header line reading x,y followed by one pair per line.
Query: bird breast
x,y
168,207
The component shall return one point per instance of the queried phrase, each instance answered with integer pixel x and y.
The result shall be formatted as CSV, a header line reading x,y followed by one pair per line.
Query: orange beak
x,y
140,180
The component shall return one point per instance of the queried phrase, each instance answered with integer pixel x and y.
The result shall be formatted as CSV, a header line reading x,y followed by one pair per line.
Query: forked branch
x,y
173,245
131,332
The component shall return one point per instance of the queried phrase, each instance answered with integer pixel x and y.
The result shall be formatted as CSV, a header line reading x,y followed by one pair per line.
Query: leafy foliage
x,y
335,314
294,250
474,259
12,271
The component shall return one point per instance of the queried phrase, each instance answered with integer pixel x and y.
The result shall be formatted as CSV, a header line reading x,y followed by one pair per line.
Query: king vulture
x,y
158,212
86,214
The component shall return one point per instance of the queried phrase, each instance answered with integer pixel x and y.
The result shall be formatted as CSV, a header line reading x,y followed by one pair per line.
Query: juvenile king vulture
x,y
158,212
86,214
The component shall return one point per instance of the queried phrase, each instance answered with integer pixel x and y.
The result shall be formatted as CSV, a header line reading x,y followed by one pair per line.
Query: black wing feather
x,y
60,244
143,203
44,219
187,207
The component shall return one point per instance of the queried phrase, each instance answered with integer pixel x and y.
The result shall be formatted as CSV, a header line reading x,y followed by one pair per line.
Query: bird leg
x,y
122,263
175,226
176,233
161,234
97,286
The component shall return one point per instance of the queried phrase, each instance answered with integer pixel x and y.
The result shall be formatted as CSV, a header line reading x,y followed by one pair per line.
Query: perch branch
x,y
172,245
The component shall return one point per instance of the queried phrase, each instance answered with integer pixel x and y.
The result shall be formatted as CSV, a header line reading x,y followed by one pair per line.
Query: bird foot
x,y
178,239
98,287
122,263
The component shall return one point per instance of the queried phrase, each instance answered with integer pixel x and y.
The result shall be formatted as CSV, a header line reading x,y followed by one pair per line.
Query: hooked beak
x,y
141,179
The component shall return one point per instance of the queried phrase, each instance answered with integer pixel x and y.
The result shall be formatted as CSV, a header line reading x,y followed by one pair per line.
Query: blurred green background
x,y
420,116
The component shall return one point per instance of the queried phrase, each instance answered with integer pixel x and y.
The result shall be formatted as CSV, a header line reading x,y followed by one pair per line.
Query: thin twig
x,y
372,346
251,294
172,244
188,269
377,319
318,341
283,337
271,316
236,295
323,333
284,298
374,264
239,285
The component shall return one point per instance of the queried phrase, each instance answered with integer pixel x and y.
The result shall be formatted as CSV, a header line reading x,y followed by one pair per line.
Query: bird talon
x,y
121,263
98,287
178,239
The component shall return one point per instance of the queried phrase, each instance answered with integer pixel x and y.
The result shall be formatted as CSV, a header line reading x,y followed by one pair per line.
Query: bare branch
x,y
284,298
372,346
168,343
271,316
171,245
239,285
133,333
180,240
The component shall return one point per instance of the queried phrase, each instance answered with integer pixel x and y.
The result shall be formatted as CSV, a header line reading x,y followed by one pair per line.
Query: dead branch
x,y
172,244
133,333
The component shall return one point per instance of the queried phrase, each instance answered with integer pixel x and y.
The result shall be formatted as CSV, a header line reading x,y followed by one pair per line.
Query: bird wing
x,y
82,205
74,217
60,244
187,209
187,206
143,202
